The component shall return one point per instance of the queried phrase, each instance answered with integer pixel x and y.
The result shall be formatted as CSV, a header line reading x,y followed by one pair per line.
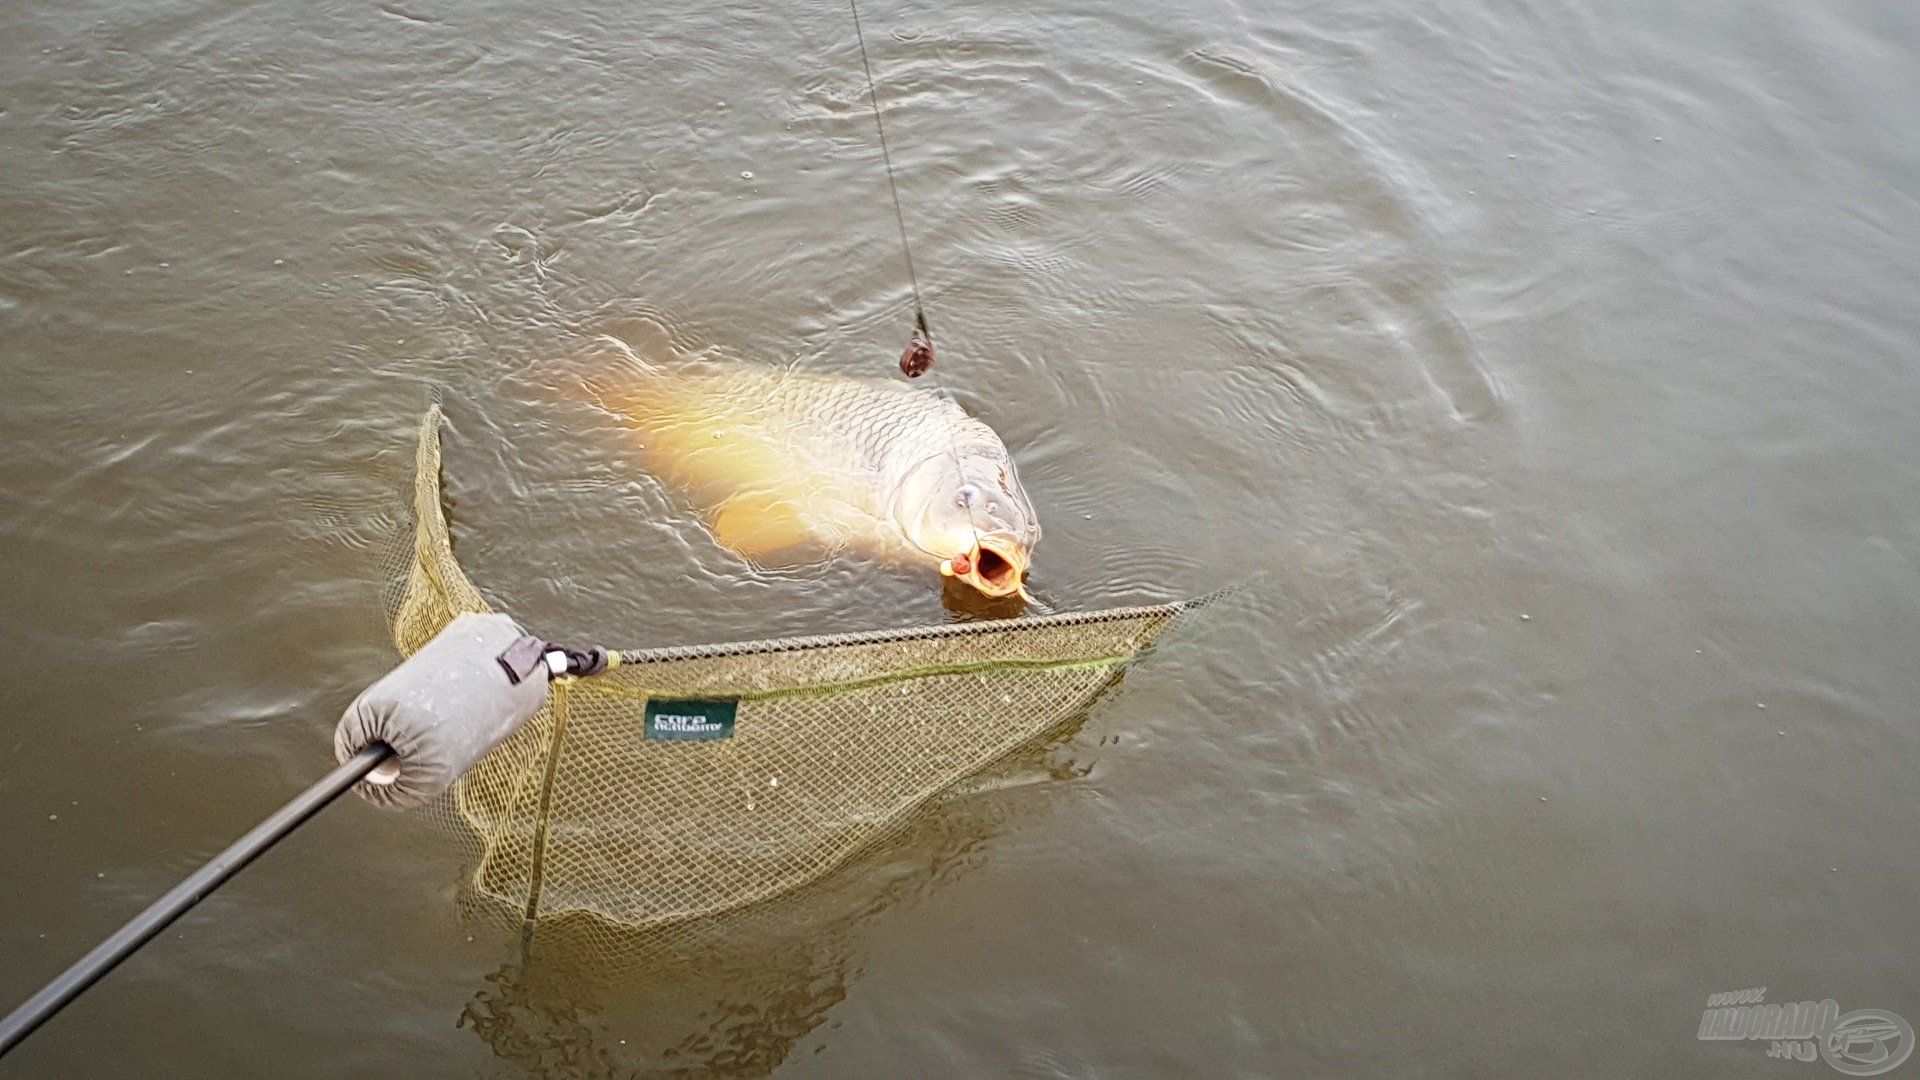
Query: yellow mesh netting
x,y
836,741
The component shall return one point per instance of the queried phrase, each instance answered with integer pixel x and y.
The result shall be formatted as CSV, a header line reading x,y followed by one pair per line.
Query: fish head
x,y
966,508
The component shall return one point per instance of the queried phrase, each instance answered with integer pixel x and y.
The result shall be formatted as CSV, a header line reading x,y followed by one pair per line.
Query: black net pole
x,y
162,912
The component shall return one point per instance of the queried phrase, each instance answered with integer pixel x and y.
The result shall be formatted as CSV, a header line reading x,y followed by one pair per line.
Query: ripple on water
x,y
1202,308
1404,262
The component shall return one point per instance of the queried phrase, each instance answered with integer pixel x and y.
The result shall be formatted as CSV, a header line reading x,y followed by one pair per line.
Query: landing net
x,y
689,781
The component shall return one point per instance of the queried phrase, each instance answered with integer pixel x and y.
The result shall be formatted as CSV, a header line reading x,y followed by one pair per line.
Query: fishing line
x,y
918,356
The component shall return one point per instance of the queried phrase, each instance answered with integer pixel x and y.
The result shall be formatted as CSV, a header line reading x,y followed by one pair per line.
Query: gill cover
x,y
949,502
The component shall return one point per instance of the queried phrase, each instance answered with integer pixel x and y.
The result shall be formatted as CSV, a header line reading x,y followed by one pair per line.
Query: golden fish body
x,y
781,460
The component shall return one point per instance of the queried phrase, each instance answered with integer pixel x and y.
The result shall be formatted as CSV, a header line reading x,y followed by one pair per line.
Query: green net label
x,y
691,718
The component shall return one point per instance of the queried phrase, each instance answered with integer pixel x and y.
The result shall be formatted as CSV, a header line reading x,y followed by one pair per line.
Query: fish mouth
x,y
994,565
998,568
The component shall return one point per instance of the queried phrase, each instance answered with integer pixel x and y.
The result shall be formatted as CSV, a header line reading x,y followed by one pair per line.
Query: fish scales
x,y
781,459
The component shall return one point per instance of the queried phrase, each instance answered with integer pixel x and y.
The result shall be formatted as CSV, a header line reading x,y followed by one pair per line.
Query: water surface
x,y
1549,369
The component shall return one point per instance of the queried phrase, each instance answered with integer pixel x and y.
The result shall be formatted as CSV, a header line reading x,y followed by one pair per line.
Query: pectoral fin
x,y
757,524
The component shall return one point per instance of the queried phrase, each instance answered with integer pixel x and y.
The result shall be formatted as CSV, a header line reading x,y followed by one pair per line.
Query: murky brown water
x,y
1552,366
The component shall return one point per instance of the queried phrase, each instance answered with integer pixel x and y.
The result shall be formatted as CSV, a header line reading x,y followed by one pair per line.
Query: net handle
x,y
160,914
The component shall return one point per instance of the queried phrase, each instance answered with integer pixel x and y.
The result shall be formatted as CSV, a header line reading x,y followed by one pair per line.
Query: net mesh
x,y
836,741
